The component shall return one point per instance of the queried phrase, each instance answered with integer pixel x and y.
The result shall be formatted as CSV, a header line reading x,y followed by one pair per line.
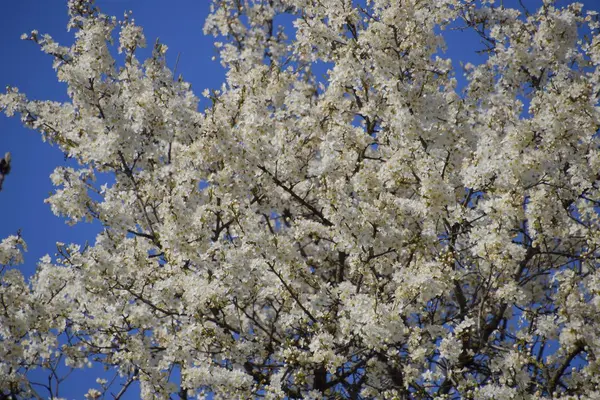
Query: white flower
x,y
343,219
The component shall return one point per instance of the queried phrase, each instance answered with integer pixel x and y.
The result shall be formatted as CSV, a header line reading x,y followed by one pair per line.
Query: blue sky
x,y
178,24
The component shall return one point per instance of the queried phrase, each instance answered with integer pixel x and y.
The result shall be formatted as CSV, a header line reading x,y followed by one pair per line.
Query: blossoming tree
x,y
376,233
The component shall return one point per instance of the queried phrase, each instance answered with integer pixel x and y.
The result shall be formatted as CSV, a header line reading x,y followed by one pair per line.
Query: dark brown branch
x,y
299,199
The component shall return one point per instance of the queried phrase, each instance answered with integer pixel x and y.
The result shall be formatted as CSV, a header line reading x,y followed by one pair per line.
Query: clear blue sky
x,y
178,23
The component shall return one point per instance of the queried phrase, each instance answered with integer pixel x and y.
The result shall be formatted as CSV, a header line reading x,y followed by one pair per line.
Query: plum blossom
x,y
375,231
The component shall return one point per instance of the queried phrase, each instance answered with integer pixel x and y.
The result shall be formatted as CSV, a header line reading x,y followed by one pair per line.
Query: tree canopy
x,y
377,232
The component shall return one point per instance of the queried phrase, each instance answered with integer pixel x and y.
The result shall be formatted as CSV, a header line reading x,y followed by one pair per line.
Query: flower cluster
x,y
374,233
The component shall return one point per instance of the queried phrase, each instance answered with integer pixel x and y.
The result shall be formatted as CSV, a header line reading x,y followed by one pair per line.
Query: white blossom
x,y
373,232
